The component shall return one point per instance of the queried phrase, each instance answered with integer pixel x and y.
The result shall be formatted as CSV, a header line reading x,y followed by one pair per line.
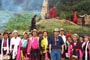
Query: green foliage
x,y
82,6
20,21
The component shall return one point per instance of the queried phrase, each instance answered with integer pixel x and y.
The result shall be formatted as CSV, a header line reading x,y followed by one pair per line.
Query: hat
x,y
68,35
61,29
56,30
15,31
34,30
75,35
25,33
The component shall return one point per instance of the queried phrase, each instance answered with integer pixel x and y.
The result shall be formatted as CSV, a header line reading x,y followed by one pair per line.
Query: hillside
x,y
69,26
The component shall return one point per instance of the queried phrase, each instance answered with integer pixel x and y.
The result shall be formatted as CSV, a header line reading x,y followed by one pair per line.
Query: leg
x,y
53,56
58,56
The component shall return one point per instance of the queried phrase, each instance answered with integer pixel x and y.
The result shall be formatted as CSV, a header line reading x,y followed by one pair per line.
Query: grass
x,y
69,27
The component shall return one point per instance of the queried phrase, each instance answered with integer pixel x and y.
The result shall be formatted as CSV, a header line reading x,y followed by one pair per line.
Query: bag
x,y
6,57
35,43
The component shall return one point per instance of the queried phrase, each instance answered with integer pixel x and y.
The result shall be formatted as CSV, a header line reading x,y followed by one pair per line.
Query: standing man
x,y
55,45
62,34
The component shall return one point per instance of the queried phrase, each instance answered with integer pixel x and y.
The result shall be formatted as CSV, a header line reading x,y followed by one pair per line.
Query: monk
x,y
52,12
75,17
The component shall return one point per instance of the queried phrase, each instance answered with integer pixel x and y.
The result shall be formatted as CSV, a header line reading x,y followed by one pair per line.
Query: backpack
x,y
35,43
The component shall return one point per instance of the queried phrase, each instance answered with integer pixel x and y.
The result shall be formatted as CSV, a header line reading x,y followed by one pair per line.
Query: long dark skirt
x,y
35,54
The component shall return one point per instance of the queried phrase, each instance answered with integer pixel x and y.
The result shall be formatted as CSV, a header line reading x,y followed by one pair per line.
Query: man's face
x,y
56,33
62,32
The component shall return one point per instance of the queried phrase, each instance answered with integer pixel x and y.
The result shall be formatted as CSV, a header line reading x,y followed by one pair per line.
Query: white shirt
x,y
15,42
64,38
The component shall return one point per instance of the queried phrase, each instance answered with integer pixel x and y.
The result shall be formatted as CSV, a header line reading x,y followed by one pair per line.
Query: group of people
x,y
40,46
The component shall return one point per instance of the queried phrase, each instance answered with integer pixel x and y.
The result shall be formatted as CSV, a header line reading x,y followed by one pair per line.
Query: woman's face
x,y
86,38
45,34
30,35
75,38
25,36
81,39
69,39
34,33
6,36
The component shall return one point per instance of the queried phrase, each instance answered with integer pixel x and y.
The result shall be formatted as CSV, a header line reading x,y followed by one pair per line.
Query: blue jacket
x,y
59,42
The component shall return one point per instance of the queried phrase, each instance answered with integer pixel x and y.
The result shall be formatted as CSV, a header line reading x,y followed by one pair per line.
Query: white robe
x,y
6,48
15,42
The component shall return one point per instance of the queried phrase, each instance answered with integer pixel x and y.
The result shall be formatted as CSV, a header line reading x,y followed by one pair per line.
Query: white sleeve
x,y
11,42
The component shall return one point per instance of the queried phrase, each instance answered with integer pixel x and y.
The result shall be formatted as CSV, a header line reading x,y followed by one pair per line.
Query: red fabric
x,y
52,12
5,43
75,17
68,35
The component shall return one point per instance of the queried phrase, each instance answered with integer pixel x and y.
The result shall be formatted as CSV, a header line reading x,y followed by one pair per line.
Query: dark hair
x,y
5,33
35,15
45,31
40,32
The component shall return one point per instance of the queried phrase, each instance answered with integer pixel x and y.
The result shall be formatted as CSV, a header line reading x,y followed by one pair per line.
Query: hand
x,y
62,52
50,51
41,52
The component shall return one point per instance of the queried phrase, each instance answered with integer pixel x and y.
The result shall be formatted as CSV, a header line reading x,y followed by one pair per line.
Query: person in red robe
x,y
75,17
52,12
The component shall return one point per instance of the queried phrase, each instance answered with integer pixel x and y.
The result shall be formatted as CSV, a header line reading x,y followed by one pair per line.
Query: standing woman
x,y
68,48
5,45
85,48
35,45
44,46
24,45
77,49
